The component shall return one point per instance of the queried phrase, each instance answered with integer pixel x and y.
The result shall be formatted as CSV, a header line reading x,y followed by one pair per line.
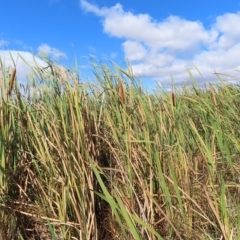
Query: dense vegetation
x,y
109,160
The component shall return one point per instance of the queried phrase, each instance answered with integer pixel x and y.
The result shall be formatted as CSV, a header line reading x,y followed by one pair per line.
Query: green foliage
x,y
112,161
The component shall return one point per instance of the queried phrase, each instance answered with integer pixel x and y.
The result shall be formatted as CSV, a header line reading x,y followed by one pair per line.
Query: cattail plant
x,y
109,160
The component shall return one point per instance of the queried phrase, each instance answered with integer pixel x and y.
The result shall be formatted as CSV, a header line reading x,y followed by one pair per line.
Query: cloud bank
x,y
50,51
26,61
161,49
10,59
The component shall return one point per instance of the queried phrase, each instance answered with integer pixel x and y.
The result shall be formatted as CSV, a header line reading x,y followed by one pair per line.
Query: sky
x,y
162,39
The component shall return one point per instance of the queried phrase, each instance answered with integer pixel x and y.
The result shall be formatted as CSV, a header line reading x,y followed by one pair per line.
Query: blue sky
x,y
160,38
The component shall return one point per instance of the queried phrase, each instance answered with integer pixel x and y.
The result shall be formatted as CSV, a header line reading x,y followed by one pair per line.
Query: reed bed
x,y
110,160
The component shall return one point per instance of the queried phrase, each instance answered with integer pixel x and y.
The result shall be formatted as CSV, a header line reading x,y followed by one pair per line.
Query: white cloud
x,y
49,51
160,49
3,43
228,29
135,50
19,59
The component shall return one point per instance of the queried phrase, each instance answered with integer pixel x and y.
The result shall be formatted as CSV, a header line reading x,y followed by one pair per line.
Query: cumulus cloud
x,y
228,30
24,62
135,50
161,49
50,51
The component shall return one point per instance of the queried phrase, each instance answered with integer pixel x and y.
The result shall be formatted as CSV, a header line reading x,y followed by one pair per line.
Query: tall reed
x,y
112,161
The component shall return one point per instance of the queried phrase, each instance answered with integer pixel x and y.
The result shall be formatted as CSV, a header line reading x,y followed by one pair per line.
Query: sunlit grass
x,y
111,161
